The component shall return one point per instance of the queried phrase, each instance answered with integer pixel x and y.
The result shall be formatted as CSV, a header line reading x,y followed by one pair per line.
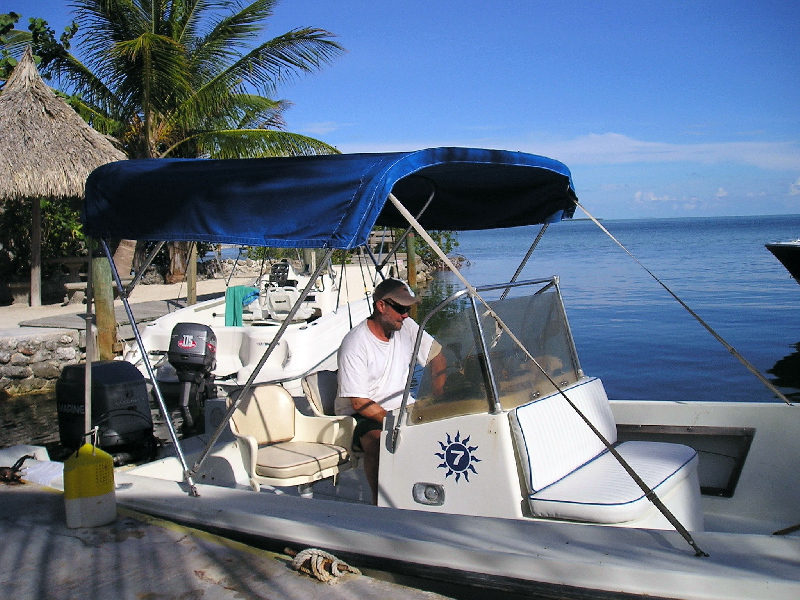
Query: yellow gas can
x,y
89,488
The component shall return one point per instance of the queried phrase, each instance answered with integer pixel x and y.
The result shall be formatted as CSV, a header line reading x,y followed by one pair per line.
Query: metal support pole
x,y
187,476
89,332
410,228
264,357
525,260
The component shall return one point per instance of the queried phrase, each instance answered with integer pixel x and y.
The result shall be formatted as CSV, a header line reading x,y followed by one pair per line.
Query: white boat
x,y
524,476
244,324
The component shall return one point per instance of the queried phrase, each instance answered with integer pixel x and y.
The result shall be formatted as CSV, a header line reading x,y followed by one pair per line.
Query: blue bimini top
x,y
330,201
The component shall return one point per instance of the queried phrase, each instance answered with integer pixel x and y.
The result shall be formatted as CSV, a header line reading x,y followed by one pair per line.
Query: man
x,y
374,360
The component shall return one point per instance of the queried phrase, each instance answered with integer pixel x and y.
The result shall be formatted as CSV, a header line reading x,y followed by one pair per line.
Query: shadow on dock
x,y
142,557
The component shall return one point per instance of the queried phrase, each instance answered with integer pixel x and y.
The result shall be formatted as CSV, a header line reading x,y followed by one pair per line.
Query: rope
x,y
320,564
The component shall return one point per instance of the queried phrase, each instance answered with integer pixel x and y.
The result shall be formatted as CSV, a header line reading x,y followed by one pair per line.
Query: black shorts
x,y
363,426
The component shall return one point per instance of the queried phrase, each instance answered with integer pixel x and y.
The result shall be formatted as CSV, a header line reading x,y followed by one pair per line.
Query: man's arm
x,y
438,374
369,409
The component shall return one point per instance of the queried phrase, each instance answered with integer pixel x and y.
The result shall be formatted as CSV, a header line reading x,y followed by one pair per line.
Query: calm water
x,y
631,333
628,330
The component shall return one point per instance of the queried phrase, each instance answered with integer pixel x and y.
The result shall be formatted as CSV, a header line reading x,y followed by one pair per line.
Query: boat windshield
x,y
487,370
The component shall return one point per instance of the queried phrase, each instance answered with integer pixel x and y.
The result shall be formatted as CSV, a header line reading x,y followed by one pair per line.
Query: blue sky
x,y
660,109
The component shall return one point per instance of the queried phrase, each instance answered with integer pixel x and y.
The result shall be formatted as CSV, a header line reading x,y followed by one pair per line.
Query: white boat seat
x,y
278,301
321,389
571,475
282,447
297,459
618,499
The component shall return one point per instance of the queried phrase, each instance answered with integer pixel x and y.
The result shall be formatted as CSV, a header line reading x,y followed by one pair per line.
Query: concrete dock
x,y
36,342
141,557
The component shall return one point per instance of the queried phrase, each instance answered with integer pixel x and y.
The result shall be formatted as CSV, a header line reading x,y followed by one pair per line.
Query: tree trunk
x,y
178,259
36,254
191,276
123,258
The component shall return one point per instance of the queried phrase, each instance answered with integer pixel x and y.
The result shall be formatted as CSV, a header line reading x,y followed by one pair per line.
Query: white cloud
x,y
794,188
645,197
722,192
616,148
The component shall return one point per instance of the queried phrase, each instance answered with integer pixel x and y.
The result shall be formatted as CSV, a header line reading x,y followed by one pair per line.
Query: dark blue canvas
x,y
322,201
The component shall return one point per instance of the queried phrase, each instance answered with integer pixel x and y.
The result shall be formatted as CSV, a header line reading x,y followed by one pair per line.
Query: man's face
x,y
391,314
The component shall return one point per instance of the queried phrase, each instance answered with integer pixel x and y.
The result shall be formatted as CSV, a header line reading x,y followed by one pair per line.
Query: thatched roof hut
x,y
46,149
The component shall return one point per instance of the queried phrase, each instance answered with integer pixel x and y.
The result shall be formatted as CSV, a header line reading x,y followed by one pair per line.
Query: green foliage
x,y
177,78
61,236
258,253
446,240
41,38
185,78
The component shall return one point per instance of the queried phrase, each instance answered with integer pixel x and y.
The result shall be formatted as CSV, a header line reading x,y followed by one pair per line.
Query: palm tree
x,y
185,78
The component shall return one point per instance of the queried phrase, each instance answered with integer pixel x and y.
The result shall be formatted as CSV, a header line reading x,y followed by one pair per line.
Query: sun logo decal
x,y
457,457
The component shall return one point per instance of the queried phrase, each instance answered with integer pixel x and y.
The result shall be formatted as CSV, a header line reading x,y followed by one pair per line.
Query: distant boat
x,y
789,255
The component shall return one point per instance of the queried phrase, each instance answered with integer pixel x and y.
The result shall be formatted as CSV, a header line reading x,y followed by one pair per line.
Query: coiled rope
x,y
320,564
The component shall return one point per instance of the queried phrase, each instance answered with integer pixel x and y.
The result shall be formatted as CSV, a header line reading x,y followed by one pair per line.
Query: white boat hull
x,y
534,555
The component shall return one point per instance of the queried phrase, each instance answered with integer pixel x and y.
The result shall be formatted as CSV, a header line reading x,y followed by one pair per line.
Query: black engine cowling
x,y
193,354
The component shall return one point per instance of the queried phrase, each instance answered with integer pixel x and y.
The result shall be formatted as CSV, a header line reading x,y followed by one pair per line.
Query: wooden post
x,y
36,254
309,260
191,275
103,292
411,268
411,258
91,345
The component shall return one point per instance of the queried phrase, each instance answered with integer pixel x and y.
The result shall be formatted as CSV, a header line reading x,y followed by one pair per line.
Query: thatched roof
x,y
46,149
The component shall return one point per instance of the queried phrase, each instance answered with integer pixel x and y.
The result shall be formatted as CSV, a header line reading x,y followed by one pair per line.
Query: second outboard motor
x,y
193,354
120,409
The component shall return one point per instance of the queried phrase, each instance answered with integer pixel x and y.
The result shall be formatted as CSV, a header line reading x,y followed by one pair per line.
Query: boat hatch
x,y
487,371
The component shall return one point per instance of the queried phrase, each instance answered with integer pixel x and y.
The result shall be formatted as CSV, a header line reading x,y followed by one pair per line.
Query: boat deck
x,y
139,556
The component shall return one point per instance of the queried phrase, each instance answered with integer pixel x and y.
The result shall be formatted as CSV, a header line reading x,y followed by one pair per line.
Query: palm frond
x,y
222,46
15,42
257,143
277,60
75,76
183,78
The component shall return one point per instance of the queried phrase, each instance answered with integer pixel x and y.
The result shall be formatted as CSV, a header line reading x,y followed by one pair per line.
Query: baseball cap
x,y
395,289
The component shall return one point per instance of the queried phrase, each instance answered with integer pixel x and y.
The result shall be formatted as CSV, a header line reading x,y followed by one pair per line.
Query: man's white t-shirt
x,y
377,370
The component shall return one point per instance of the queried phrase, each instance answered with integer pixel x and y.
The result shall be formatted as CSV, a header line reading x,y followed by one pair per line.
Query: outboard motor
x,y
193,354
120,409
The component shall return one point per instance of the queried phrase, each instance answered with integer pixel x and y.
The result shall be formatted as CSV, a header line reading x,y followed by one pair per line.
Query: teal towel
x,y
235,299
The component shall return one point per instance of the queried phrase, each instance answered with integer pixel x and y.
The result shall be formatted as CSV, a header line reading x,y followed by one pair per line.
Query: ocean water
x,y
628,330
631,333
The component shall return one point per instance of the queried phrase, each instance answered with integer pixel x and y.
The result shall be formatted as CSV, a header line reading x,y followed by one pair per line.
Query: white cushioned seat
x,y
554,440
295,459
617,498
282,447
279,301
571,475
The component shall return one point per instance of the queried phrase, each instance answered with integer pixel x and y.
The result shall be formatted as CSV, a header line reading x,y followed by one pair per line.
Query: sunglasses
x,y
398,308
